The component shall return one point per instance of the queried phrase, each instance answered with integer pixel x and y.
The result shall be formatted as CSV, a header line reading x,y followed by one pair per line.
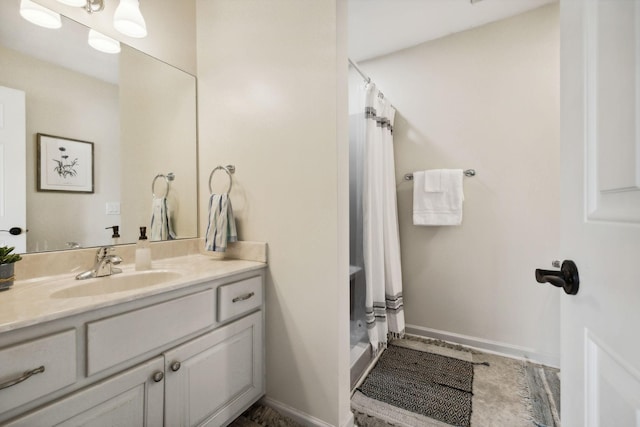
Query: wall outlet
x,y
113,208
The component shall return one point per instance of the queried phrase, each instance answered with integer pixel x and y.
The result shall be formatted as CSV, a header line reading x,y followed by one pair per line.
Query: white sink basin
x,y
117,283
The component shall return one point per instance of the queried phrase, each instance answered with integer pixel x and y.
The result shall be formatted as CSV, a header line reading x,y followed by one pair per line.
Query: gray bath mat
x,y
432,385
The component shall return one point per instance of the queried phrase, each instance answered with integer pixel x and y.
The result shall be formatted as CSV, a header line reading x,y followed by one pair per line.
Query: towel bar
x,y
467,172
229,169
168,177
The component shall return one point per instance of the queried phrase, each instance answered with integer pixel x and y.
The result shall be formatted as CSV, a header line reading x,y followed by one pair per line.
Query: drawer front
x,y
56,353
239,297
117,339
128,399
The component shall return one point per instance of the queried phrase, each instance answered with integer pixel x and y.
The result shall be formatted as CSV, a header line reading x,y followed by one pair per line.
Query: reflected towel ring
x,y
168,177
229,169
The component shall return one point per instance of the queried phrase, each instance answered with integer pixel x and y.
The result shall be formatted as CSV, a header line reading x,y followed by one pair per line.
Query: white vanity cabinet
x,y
190,357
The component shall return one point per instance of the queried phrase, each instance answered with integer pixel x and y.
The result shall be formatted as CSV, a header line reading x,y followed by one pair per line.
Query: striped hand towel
x,y
222,225
161,228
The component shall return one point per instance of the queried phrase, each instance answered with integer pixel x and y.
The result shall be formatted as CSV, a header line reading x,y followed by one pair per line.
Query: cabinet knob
x,y
158,376
175,366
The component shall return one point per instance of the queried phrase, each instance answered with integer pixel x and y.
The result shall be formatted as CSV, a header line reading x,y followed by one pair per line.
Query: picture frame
x,y
64,164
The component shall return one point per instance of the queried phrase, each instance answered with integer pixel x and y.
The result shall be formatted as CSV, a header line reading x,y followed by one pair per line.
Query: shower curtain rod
x,y
364,76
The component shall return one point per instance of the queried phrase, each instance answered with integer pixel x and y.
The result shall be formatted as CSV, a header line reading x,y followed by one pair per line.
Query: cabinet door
x,y
219,374
130,399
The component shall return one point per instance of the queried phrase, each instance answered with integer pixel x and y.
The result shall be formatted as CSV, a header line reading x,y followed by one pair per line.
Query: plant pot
x,y
6,276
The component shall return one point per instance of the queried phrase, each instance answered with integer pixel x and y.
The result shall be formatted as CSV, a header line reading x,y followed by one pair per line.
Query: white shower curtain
x,y
381,241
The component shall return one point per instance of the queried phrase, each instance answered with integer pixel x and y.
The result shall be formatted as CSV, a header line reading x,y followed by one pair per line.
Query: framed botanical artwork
x,y
64,164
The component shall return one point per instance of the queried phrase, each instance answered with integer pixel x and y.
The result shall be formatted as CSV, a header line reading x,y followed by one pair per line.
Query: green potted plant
x,y
7,261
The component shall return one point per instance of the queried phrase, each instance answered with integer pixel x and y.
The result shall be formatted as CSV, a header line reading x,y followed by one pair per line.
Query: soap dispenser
x,y
143,251
115,237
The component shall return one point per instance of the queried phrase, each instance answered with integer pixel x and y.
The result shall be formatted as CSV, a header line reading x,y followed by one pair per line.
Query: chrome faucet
x,y
104,266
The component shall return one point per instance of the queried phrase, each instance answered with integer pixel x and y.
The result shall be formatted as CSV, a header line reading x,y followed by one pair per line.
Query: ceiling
x,y
379,27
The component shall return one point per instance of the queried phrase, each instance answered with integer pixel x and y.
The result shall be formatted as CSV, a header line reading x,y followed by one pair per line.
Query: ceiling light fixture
x,y
100,42
92,6
39,15
127,18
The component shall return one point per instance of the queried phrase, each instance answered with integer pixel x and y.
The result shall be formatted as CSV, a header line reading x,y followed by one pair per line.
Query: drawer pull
x,y
24,377
243,297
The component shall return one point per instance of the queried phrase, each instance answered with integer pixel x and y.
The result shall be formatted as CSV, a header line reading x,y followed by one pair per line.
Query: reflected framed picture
x,y
64,164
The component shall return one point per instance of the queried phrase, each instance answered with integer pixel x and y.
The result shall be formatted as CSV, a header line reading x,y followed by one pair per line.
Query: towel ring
x,y
168,177
229,170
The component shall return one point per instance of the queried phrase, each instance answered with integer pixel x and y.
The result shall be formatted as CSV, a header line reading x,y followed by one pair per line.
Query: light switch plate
x,y
113,208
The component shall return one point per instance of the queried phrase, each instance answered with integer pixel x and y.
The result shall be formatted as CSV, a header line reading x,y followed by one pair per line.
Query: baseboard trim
x,y
495,347
301,417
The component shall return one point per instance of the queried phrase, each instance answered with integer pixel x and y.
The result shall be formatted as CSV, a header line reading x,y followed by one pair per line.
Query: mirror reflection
x,y
138,114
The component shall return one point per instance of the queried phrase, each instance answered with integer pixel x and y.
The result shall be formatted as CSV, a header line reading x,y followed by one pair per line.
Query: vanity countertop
x,y
30,302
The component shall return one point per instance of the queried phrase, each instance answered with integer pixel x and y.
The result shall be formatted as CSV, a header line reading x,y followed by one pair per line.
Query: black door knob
x,y
567,278
16,231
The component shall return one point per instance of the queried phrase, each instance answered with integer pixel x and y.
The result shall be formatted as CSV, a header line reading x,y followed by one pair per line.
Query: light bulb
x,y
103,43
129,20
75,3
39,15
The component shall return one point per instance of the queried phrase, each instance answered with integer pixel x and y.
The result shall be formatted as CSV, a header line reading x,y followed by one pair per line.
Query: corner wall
x,y
272,101
487,99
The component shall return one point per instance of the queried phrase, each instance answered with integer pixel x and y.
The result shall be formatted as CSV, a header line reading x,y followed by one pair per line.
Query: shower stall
x,y
361,354
377,309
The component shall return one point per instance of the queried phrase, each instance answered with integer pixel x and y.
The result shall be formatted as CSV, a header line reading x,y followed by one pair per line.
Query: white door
x,y
600,153
13,211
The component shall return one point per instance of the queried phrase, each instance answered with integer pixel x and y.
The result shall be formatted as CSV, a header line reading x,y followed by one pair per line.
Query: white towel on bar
x,y
437,197
161,227
222,224
432,180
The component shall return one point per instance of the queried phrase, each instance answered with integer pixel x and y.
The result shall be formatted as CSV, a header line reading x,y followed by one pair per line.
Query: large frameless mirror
x,y
110,139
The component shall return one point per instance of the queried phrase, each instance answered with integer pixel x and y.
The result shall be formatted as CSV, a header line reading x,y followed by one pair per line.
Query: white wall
x,y
272,101
487,99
